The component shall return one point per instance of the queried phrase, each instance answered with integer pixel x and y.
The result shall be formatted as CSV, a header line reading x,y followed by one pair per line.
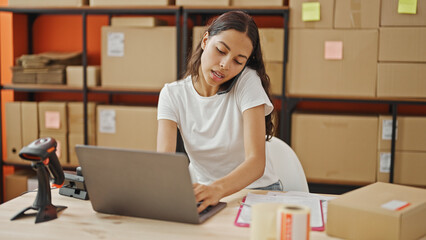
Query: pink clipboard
x,y
236,223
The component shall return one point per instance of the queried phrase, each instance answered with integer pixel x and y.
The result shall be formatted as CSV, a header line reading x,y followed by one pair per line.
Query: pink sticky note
x,y
333,50
52,120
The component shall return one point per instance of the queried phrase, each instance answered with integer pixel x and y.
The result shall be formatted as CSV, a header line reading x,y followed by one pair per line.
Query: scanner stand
x,y
74,186
46,211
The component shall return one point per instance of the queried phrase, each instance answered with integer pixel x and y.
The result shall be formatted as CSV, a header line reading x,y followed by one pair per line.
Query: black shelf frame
x,y
84,12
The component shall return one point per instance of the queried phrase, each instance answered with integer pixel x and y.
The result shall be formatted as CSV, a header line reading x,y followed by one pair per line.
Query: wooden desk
x,y
79,222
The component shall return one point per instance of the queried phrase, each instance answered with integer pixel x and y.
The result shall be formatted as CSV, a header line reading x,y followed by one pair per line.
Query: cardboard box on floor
x,y
378,211
257,3
137,22
391,17
203,2
127,127
48,3
326,14
332,63
402,44
410,134
62,145
19,182
53,117
75,76
142,58
404,80
409,168
131,2
359,14
336,148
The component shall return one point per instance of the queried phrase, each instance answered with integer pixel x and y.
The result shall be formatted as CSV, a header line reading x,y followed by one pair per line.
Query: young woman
x,y
223,111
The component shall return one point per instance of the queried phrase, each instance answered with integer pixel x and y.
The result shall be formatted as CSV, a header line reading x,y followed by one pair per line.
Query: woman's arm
x,y
250,170
166,136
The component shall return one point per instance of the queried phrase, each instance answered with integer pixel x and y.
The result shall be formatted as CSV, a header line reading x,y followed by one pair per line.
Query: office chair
x,y
286,165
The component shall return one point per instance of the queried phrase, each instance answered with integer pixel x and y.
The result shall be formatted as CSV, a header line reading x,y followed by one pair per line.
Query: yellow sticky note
x,y
333,50
52,120
407,6
310,11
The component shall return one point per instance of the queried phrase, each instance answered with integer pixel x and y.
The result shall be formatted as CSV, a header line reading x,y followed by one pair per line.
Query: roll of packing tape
x,y
293,222
263,224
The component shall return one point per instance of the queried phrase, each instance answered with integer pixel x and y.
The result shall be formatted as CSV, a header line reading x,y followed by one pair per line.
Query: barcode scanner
x,y
42,153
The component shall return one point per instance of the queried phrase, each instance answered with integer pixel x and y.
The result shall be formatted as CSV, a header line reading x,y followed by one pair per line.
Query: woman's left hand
x,y
207,195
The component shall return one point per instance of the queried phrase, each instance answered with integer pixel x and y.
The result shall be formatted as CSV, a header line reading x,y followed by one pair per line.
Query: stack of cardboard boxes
x,y
337,49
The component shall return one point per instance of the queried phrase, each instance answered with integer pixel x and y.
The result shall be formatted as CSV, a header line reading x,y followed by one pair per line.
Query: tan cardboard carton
x,y
272,44
18,183
29,113
378,211
137,22
131,2
75,76
74,139
357,14
410,133
48,3
53,117
409,168
326,14
332,63
127,127
14,132
76,118
391,17
399,44
197,35
401,80
138,57
62,145
257,3
275,73
336,148
203,2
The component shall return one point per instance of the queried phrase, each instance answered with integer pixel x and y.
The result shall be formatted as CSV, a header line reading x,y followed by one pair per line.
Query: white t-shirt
x,y
212,127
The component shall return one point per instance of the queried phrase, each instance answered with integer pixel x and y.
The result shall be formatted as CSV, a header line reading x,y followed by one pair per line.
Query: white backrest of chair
x,y
286,165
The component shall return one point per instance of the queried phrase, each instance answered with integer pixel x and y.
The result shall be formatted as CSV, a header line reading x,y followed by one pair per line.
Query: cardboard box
x,y
76,118
391,17
127,127
131,2
408,167
362,213
404,80
137,22
326,14
14,132
138,57
272,44
275,73
203,2
75,76
197,35
336,148
332,63
357,14
251,3
48,3
62,145
19,182
29,117
410,133
402,44
74,139
53,117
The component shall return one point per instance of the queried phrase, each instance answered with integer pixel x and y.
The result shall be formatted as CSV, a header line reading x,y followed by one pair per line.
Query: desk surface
x,y
79,221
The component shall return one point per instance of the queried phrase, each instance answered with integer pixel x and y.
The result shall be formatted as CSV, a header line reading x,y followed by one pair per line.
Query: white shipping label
x,y
395,205
387,130
385,162
107,121
115,44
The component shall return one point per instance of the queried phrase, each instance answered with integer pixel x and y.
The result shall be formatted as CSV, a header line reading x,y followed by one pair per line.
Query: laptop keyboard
x,y
205,210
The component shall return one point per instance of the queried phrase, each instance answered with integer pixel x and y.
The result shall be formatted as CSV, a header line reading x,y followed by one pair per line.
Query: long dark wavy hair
x,y
242,22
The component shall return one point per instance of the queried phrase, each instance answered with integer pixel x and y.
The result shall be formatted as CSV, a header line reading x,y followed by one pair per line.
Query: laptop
x,y
141,184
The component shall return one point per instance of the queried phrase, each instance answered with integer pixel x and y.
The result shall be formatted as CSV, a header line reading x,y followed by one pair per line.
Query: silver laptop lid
x,y
138,183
